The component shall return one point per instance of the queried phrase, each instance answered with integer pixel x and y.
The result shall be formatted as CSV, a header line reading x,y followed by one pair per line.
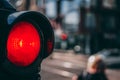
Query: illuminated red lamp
x,y
64,36
23,44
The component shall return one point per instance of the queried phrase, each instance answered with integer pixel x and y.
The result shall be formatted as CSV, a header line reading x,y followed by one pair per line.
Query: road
x,y
63,65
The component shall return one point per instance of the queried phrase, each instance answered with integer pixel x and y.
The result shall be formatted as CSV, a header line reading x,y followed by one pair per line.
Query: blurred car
x,y
111,57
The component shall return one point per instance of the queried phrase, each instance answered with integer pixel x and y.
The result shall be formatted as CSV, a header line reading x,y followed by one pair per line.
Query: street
x,y
62,66
56,37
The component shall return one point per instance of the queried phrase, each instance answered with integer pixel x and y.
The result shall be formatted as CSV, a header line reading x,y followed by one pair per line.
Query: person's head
x,y
95,64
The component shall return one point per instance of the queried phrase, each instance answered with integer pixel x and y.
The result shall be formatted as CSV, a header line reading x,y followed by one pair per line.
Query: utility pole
x,y
59,18
82,17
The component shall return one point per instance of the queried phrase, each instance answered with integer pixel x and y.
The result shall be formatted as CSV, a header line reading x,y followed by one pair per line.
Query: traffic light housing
x,y
26,38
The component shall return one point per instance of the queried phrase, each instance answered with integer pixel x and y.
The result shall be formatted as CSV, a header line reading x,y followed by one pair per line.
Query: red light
x,y
63,36
50,46
23,44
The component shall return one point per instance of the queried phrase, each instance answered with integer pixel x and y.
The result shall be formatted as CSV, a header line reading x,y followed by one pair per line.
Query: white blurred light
x,y
91,59
77,48
72,18
51,9
58,32
65,7
19,3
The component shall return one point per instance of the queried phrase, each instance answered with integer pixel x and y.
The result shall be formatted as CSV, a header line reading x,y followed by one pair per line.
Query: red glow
x,y
50,46
64,36
23,44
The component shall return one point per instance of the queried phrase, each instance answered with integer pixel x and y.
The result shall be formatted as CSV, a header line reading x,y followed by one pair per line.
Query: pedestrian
x,y
95,70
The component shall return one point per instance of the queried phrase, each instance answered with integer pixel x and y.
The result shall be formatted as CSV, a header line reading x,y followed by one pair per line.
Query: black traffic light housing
x,y
10,17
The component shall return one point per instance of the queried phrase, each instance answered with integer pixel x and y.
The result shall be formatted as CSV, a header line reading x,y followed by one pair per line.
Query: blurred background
x,y
82,28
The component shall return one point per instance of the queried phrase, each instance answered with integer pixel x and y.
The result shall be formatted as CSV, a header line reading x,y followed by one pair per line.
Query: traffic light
x,y
26,38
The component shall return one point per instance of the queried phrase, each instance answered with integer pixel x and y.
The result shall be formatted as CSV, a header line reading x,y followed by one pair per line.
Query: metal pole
x,y
58,19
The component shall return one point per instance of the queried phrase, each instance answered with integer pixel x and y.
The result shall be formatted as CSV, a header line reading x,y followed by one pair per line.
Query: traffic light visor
x,y
23,44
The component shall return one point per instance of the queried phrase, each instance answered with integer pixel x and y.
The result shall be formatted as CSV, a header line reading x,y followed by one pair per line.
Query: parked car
x,y
111,57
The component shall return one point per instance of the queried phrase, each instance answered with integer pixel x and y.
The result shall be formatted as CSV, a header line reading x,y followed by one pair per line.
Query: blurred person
x,y
95,70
